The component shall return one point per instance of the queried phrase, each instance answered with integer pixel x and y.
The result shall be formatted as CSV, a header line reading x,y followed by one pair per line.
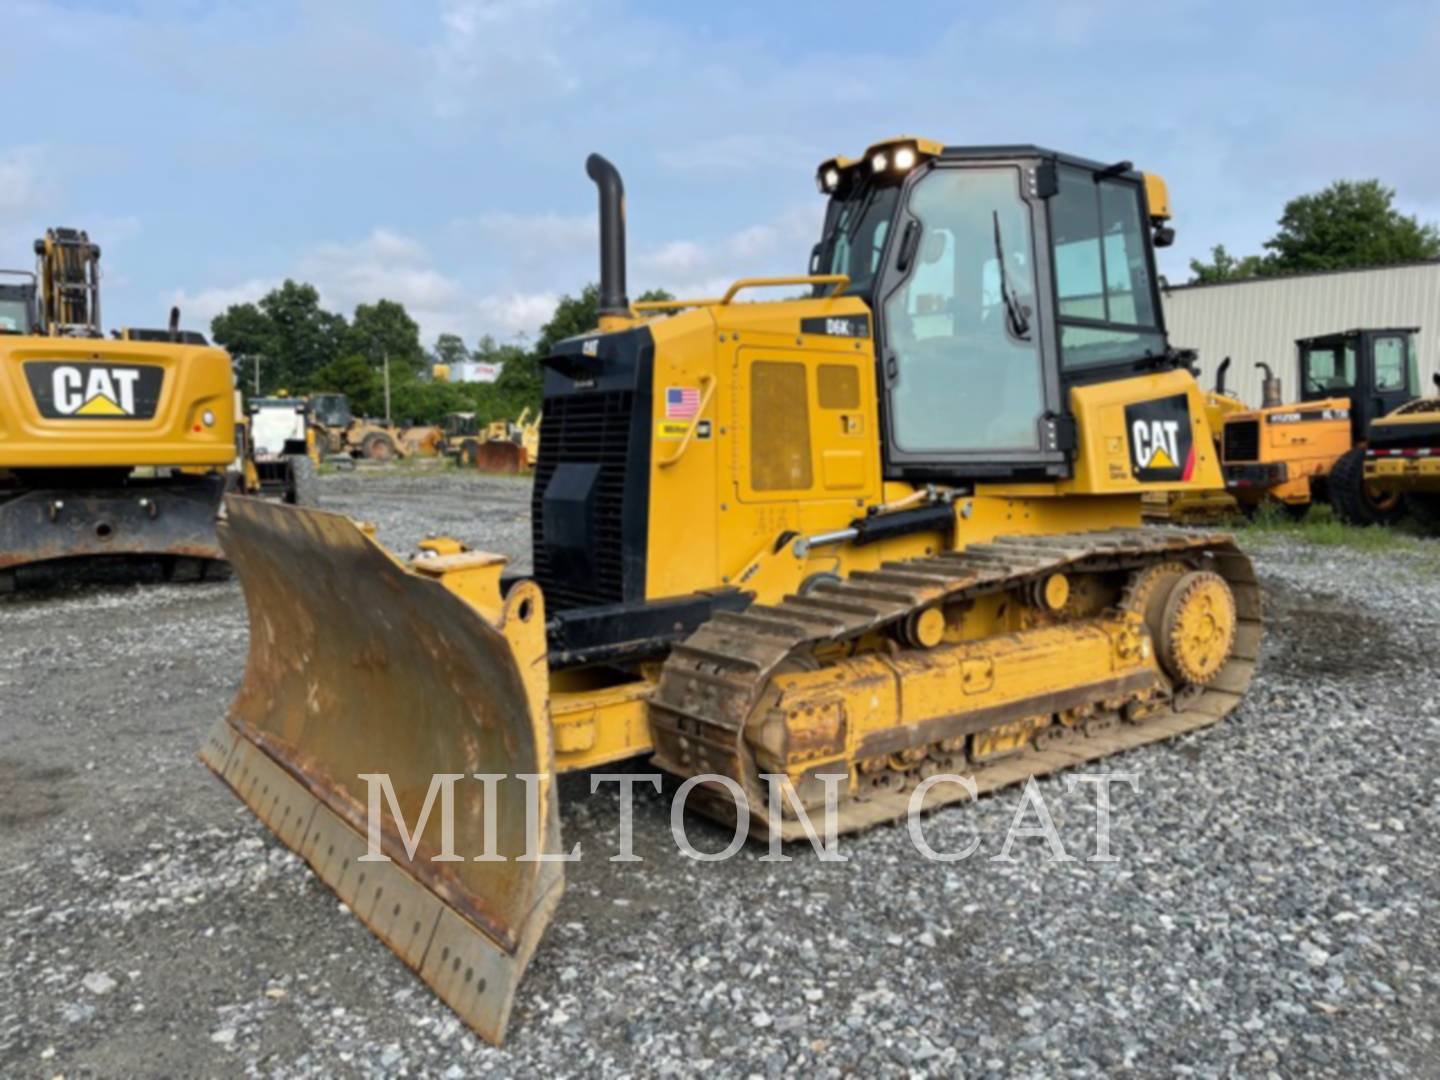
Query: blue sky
x,y
432,152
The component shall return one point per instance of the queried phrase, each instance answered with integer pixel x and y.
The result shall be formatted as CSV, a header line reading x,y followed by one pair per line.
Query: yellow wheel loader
x,y
807,551
1402,458
340,434
1292,454
107,447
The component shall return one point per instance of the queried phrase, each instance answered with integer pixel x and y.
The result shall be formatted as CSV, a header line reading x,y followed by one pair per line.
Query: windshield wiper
x,y
1014,312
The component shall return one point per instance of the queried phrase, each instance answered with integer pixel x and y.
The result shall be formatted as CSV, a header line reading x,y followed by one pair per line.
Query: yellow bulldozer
x,y
111,447
504,446
1199,506
803,552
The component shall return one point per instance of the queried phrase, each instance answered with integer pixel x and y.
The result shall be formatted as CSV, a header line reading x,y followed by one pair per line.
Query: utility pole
x,y
256,358
387,388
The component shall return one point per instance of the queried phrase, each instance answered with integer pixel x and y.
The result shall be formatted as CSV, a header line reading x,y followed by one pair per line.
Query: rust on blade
x,y
359,666
502,457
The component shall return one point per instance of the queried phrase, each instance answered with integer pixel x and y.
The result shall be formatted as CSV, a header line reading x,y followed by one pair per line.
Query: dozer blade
x,y
359,666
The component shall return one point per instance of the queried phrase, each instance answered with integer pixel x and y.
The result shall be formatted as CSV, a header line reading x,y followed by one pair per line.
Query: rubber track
x,y
713,680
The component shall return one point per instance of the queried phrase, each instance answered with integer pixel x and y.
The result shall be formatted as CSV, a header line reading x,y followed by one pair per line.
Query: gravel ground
x,y
1273,907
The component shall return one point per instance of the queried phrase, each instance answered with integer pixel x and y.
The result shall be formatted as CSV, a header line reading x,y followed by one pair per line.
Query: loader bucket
x,y
359,666
499,456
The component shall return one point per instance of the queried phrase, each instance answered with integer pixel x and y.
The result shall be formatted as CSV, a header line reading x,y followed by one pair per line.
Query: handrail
x,y
840,281
709,382
672,305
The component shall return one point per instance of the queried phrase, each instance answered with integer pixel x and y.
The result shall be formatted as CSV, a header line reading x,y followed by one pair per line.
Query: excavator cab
x,y
17,302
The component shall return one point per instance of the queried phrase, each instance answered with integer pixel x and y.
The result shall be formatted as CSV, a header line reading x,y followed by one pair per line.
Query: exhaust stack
x,y
613,301
1270,392
1220,373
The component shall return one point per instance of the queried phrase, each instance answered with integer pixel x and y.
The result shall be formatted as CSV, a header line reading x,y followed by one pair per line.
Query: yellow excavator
x,y
804,550
111,447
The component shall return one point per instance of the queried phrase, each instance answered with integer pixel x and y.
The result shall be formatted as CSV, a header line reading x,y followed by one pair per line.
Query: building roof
x,y
1417,264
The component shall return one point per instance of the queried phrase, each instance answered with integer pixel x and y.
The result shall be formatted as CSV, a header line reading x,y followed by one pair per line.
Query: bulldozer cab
x,y
331,410
1378,370
997,278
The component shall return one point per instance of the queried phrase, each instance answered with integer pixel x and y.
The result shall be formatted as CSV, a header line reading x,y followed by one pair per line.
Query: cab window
x,y
960,328
1391,370
14,316
1330,369
860,227
1104,288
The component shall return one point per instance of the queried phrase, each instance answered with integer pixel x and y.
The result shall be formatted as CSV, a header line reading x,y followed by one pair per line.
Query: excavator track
x,y
713,683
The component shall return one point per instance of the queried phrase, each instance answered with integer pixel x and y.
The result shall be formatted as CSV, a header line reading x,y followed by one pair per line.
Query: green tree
x,y
288,328
579,315
1350,223
358,379
521,379
248,335
1224,267
426,402
306,336
450,349
383,329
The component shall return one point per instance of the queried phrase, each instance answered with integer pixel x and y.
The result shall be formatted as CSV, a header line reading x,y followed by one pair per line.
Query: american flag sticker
x,y
681,402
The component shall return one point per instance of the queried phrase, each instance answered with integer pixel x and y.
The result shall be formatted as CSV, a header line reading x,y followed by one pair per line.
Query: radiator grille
x,y
1242,441
580,429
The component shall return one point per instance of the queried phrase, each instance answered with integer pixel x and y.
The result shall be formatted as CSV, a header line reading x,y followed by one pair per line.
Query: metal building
x,y
1257,319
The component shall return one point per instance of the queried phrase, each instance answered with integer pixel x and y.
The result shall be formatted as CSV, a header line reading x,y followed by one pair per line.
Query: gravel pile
x,y
1273,908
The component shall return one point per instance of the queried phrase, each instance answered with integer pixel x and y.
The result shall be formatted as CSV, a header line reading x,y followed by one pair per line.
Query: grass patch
x,y
1322,528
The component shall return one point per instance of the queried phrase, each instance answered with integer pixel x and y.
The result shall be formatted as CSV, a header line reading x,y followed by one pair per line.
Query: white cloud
x,y
508,315
199,308
384,266
492,51
678,257
770,153
691,268
549,233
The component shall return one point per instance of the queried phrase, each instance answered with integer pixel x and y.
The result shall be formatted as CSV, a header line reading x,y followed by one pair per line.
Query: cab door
x,y
964,355
1392,363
